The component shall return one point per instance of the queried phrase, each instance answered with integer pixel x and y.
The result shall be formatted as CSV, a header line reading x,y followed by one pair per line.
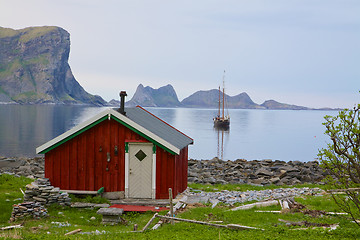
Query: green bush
x,y
341,158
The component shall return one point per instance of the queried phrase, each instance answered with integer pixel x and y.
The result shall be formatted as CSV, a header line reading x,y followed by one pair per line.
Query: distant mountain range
x,y
34,69
167,97
149,97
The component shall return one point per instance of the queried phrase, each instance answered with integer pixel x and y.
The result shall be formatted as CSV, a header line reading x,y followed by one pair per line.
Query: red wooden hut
x,y
133,153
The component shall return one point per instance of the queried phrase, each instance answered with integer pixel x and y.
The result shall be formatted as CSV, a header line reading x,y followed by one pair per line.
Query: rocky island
x,y
166,97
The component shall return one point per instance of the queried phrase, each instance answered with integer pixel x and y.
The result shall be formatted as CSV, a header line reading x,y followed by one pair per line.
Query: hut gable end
x,y
136,155
139,121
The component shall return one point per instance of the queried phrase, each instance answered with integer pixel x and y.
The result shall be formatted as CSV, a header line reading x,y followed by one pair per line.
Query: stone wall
x,y
28,209
38,194
42,191
262,172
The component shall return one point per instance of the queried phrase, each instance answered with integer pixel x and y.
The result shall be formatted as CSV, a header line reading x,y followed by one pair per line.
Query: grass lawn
x,y
64,219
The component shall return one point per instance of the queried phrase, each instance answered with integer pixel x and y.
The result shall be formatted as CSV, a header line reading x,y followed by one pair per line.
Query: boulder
x,y
263,172
274,180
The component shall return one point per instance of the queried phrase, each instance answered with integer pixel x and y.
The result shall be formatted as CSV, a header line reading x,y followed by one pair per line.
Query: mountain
x,y
34,68
210,99
272,104
166,97
149,97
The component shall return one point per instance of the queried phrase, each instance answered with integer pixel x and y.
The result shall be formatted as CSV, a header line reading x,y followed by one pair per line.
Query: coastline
x,y
214,171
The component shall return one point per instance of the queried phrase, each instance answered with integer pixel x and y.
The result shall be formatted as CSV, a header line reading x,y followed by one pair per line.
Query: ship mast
x,y
223,106
219,101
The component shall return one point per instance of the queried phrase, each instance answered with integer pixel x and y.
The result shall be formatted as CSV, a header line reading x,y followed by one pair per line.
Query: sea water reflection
x,y
253,134
222,139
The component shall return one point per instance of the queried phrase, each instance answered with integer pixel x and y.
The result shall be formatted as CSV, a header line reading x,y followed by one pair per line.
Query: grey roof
x,y
158,127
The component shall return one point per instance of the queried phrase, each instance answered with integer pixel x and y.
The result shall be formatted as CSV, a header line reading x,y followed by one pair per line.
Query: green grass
x,y
89,221
88,199
30,96
34,32
2,91
67,97
27,33
40,59
9,193
10,68
7,32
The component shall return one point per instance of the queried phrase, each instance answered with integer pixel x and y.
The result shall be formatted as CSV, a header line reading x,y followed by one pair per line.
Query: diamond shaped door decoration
x,y
140,155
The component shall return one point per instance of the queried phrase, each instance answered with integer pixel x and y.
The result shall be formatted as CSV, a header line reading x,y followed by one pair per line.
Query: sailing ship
x,y
222,120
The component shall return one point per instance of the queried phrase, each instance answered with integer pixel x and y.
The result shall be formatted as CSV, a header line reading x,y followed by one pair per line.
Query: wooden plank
x,y
57,161
257,204
11,227
98,156
176,174
81,162
85,192
121,147
49,165
185,167
90,161
231,226
171,205
73,232
336,191
284,204
149,222
113,162
158,177
107,182
170,173
65,174
73,163
85,160
177,206
261,211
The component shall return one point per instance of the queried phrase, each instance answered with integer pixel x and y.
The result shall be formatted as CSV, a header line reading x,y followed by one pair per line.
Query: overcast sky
x,y
303,52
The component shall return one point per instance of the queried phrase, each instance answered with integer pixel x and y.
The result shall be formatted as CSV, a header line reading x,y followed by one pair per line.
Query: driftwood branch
x,y
181,203
336,191
73,232
11,227
257,204
149,222
231,226
305,223
171,205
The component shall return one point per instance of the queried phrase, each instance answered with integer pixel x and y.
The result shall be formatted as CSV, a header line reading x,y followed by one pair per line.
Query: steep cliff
x,y
149,97
34,68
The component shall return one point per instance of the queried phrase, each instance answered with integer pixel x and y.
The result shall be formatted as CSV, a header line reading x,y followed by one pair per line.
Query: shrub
x,y
341,158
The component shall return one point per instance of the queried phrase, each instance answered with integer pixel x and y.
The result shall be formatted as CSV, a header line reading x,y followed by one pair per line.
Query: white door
x,y
140,170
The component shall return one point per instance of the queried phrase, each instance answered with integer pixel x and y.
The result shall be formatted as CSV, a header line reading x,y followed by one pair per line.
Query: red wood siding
x,y
81,163
171,172
78,164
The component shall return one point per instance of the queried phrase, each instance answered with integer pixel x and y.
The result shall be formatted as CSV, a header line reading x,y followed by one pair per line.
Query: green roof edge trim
x,y
143,135
74,135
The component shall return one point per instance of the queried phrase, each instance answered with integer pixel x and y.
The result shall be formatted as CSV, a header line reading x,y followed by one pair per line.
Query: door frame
x,y
127,163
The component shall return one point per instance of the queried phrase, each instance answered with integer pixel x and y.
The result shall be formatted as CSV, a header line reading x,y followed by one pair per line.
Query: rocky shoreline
x,y
258,172
214,171
23,166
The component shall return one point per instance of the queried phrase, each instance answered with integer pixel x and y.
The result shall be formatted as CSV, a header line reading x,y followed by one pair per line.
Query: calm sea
x,y
254,134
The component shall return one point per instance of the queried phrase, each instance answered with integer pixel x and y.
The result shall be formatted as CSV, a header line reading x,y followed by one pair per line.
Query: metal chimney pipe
x,y
122,102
